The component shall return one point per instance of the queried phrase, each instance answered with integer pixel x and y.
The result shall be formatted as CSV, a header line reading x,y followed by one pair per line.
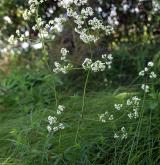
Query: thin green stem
x,y
45,60
138,128
83,100
83,105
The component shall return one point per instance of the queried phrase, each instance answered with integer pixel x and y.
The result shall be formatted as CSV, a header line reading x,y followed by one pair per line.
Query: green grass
x,y
28,98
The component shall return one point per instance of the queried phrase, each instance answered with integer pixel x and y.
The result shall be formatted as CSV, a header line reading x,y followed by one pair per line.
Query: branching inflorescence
x,y
89,28
54,123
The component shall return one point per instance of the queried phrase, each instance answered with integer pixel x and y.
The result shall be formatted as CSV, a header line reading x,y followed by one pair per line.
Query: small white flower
x,y
105,116
104,56
101,117
130,115
123,129
116,136
12,40
136,114
152,75
87,64
135,98
64,51
103,121
145,87
151,64
141,73
98,66
129,102
62,68
55,129
87,12
110,57
49,128
146,69
111,117
118,106
18,32
61,108
59,112
52,120
124,136
61,126
134,104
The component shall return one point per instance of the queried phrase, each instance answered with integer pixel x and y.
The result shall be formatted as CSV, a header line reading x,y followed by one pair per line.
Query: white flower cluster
x,y
67,3
122,134
108,59
118,106
46,29
22,36
145,87
64,53
11,48
85,36
59,68
106,116
112,17
19,42
32,8
54,124
8,50
64,3
98,24
80,2
134,102
65,67
98,65
60,109
147,71
12,40
156,6
85,12
81,18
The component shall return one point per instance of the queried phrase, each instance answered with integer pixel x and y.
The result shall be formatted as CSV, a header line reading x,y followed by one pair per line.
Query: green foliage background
x,y
27,94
